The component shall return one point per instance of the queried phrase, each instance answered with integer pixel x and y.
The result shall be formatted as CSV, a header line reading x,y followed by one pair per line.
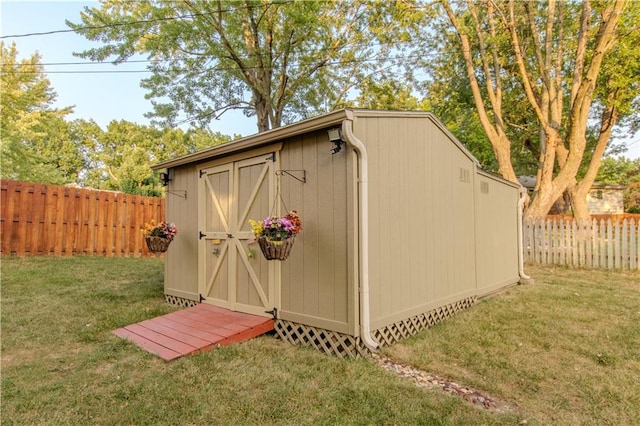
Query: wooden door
x,y
234,274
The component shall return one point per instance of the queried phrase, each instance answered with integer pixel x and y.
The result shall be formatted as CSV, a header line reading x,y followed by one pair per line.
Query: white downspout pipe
x,y
363,209
523,198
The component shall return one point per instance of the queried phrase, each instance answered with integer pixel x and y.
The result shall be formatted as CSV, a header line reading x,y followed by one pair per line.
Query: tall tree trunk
x,y
262,112
580,191
502,151
578,194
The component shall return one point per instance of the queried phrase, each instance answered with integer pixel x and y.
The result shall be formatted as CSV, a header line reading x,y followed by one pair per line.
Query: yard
x,y
563,351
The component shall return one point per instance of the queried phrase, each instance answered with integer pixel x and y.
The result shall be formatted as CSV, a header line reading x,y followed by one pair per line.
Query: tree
x,y
623,171
292,58
386,94
121,156
553,58
33,135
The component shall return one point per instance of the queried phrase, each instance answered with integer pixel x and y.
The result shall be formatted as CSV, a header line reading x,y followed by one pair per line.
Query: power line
x,y
133,61
230,68
124,24
84,72
95,27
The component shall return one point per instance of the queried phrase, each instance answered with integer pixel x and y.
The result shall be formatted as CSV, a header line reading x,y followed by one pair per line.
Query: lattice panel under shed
x,y
406,328
330,342
342,345
179,301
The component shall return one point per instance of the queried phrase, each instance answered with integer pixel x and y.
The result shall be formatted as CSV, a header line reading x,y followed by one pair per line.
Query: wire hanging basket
x,y
157,244
276,250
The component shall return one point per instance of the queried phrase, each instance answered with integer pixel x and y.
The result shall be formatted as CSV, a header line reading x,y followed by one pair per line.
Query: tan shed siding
x,y
421,217
181,264
315,278
496,233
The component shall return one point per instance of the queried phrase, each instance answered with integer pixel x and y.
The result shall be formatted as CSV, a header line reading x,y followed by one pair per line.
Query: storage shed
x,y
401,228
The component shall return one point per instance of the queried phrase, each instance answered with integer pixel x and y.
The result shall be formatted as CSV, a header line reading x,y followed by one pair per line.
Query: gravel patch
x,y
432,381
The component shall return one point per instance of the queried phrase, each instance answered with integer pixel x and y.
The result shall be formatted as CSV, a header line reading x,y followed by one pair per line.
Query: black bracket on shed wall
x,y
302,179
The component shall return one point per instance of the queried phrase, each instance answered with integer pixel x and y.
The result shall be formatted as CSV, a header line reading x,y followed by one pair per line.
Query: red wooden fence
x,y
39,219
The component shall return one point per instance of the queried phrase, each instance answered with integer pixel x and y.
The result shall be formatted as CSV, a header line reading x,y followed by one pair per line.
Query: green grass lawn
x,y
564,351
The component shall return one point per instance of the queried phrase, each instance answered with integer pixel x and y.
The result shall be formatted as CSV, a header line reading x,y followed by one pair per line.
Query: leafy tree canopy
x,y
33,141
623,171
279,60
120,157
549,82
39,145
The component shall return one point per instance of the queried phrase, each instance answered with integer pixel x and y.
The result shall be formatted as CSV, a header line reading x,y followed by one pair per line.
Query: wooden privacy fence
x,y
594,244
39,219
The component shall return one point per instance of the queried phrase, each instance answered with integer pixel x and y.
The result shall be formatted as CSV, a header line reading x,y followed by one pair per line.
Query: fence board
x,y
595,243
634,239
38,219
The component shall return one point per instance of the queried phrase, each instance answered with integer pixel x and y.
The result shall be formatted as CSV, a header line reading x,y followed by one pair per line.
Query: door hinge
x,y
203,172
273,312
272,157
202,298
201,235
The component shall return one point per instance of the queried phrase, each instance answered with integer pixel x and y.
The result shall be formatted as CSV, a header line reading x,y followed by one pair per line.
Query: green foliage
x,y
122,155
38,145
530,69
277,60
386,94
623,171
33,135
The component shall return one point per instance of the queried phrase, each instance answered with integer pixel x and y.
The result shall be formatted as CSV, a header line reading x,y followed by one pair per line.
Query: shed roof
x,y
316,123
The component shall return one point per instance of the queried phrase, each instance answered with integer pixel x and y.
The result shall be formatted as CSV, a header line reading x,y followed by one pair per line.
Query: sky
x,y
103,97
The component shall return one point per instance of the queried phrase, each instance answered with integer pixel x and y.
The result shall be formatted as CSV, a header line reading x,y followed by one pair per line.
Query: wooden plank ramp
x,y
196,329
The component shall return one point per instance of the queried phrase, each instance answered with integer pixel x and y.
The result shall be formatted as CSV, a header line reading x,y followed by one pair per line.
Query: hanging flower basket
x,y
157,244
276,250
276,235
159,236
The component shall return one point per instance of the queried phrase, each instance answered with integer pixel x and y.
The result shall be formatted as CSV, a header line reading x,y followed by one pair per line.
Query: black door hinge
x,y
203,172
273,312
201,235
202,298
272,157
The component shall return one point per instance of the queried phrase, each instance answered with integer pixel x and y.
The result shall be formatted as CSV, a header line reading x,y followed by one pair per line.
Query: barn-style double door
x,y
233,273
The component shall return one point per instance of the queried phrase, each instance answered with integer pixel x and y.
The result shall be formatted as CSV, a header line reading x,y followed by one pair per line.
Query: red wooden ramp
x,y
199,328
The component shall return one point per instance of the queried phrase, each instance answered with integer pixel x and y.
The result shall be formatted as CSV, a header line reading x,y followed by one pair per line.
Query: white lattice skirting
x,y
330,342
343,345
179,301
406,328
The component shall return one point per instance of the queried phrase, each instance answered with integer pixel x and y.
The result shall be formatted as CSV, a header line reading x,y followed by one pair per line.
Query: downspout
x,y
363,195
524,278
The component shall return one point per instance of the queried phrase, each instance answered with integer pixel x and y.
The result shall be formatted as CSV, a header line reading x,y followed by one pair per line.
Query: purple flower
x,y
285,223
